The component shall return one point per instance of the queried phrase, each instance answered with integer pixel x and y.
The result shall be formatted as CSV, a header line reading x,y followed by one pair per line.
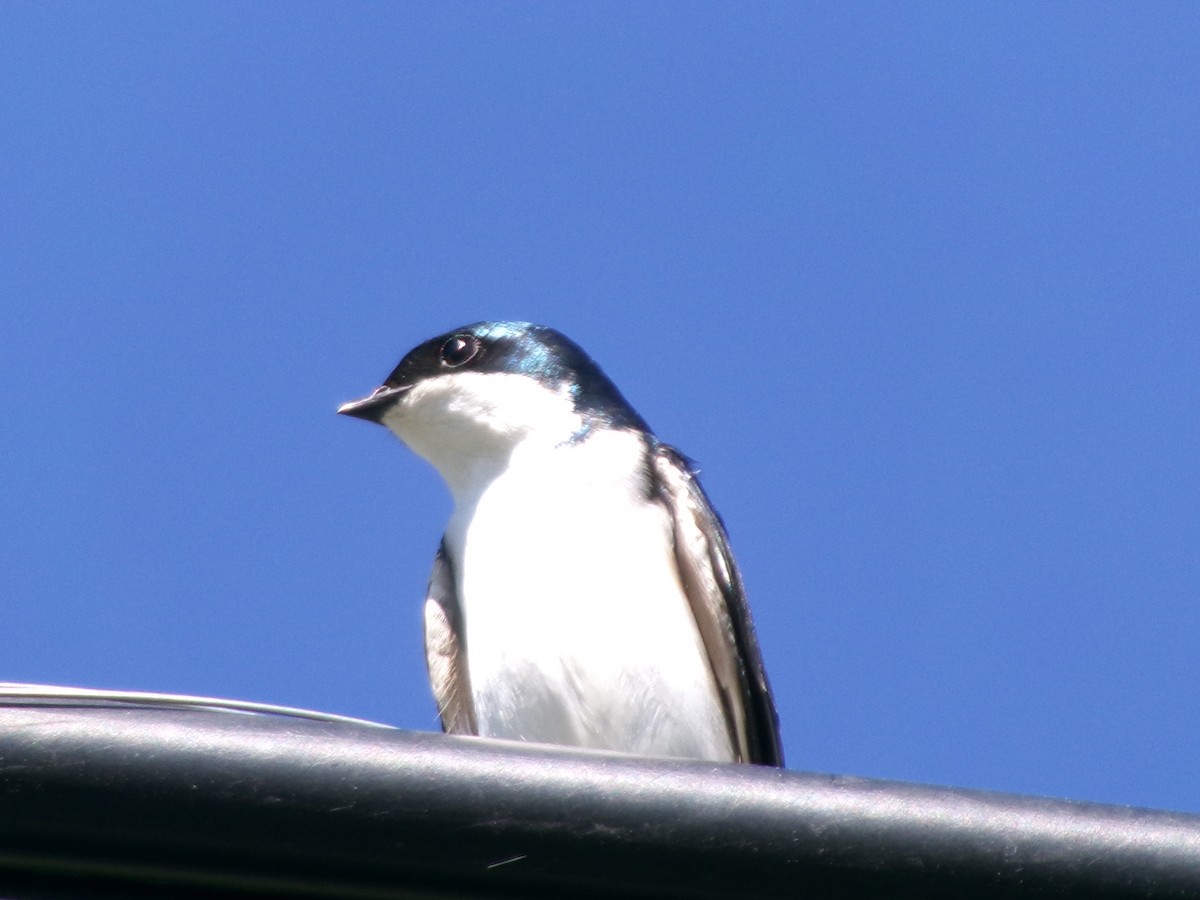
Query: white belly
x,y
577,628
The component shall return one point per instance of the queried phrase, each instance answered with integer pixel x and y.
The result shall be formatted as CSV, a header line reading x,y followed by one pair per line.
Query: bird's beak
x,y
375,405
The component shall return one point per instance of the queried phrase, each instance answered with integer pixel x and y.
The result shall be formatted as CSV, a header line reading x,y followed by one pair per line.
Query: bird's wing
x,y
445,650
714,591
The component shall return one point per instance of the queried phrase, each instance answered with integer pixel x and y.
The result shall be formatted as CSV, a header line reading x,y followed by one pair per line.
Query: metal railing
x,y
105,794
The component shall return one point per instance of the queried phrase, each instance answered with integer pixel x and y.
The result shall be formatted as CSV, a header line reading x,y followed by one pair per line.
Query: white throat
x,y
470,424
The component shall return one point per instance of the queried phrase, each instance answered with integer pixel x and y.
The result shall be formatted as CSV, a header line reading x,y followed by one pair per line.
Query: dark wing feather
x,y
714,590
445,650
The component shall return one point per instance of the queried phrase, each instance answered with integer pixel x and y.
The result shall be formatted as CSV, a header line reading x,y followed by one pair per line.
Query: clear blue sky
x,y
917,285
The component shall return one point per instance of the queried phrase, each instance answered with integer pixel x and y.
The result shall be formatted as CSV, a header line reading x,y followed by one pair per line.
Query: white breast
x,y
577,628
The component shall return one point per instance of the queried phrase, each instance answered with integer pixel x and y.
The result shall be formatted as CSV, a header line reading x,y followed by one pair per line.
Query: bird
x,y
584,592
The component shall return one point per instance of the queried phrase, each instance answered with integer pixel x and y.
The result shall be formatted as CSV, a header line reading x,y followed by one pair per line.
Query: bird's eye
x,y
459,350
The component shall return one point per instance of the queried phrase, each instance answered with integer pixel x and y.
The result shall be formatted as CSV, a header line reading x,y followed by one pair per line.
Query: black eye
x,y
459,350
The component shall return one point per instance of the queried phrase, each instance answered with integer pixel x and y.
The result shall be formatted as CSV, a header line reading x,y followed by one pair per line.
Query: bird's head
x,y
466,399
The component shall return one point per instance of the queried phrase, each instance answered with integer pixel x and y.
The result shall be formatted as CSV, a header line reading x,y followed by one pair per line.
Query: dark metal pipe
x,y
200,800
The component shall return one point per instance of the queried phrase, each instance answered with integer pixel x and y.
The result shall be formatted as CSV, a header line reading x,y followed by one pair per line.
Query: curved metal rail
x,y
197,798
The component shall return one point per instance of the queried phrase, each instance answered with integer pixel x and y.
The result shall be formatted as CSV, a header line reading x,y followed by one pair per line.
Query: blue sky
x,y
917,285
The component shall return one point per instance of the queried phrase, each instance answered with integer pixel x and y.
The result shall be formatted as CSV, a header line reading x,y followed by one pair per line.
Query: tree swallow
x,y
584,592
